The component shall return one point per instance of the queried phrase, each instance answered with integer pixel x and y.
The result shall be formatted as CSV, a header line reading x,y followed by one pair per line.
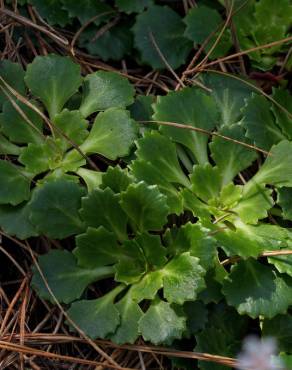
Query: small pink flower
x,y
259,355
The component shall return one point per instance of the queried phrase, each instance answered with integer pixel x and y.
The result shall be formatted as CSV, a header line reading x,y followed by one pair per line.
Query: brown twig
x,y
28,22
281,252
167,65
244,52
257,89
83,27
76,327
36,352
203,62
170,352
206,132
48,122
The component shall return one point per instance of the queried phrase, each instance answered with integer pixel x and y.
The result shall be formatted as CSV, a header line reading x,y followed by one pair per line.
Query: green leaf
x,y
142,110
192,107
282,119
102,208
133,6
39,158
265,60
86,9
54,208
13,75
161,324
230,195
14,184
17,128
103,90
130,313
167,29
260,124
195,239
152,248
147,287
97,318
282,263
269,11
112,134
280,328
255,289
214,280
211,179
195,205
116,179
6,147
93,179
160,153
278,19
201,22
230,94
146,171
96,247
73,126
197,316
226,319
113,44
138,256
53,79
146,207
52,11
230,157
284,201
69,162
15,221
254,205
66,280
183,279
250,240
58,174
202,245
213,341
277,168
132,263
260,23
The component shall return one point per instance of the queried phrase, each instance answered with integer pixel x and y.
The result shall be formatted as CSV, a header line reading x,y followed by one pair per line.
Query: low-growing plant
x,y
164,230
256,23
45,138
153,28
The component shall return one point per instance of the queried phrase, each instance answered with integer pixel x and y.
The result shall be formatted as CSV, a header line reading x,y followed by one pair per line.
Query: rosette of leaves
x,y
255,23
162,228
262,22
46,142
125,240
235,214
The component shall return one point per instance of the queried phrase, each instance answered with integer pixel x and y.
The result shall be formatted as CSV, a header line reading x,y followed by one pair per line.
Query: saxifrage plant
x,y
45,141
165,229
158,25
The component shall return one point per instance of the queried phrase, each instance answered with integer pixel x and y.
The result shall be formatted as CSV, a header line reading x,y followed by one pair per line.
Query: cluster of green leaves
x,y
255,23
158,230
44,158
153,26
